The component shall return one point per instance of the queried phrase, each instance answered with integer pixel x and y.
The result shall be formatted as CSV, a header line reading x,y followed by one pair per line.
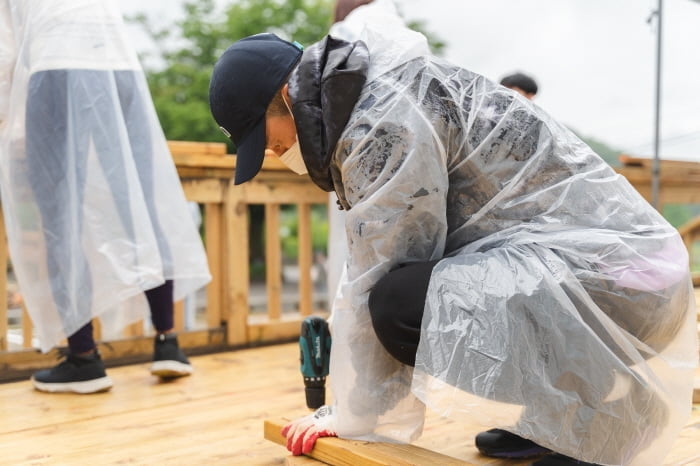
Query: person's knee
x,y
382,305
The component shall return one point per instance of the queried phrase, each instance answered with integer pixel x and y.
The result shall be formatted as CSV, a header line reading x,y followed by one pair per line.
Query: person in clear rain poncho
x,y
499,270
93,205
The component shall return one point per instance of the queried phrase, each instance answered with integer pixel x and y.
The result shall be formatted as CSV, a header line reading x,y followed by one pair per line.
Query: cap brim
x,y
250,153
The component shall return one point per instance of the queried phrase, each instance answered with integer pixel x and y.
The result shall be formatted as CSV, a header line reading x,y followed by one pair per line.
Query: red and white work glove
x,y
302,434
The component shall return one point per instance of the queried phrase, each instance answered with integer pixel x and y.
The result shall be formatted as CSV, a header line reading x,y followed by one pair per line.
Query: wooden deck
x,y
215,416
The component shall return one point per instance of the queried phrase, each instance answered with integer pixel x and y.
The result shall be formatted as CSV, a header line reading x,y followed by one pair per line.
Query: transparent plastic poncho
x,y
562,309
94,209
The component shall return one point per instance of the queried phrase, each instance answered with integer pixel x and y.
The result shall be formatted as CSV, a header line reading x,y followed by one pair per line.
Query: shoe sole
x,y
88,386
170,369
517,454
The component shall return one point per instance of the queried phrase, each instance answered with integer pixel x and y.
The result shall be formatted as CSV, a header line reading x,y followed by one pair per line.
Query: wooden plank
x,y
341,452
204,191
21,364
204,172
273,331
213,417
301,461
305,259
273,261
202,160
196,147
260,191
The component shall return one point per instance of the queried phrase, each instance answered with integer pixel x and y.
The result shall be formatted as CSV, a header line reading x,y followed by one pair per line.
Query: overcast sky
x,y
595,61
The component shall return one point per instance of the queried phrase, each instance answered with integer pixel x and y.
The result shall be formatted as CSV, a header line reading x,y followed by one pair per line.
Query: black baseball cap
x,y
243,83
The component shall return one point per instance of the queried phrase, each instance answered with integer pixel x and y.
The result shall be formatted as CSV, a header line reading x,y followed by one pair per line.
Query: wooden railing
x,y
206,173
679,183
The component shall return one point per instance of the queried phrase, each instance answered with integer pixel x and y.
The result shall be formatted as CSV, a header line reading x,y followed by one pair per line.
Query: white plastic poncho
x,y
562,309
364,22
93,205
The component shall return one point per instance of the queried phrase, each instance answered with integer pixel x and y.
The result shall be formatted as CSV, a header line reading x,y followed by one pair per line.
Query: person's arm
x,y
8,54
395,179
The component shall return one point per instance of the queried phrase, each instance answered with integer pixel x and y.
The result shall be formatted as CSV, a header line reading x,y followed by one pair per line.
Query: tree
x,y
188,50
180,87
180,84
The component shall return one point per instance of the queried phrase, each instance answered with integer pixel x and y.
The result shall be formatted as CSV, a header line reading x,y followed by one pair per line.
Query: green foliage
x,y
679,214
437,45
188,50
180,86
608,153
289,228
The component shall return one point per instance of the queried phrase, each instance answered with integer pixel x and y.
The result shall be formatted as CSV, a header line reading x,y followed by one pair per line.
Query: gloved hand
x,y
302,434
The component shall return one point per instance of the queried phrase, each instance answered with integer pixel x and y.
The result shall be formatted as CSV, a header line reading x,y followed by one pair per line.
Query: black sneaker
x,y
77,374
168,359
560,460
503,444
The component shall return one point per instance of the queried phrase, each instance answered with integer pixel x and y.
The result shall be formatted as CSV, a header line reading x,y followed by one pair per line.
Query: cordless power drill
x,y
315,345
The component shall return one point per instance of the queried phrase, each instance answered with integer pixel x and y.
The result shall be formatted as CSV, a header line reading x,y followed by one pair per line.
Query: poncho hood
x,y
324,89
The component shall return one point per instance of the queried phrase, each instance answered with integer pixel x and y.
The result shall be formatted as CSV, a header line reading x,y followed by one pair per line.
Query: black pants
x,y
160,301
396,306
57,152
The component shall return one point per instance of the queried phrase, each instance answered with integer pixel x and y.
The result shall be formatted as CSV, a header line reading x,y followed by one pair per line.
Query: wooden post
x,y
214,244
27,330
305,259
273,261
179,315
237,221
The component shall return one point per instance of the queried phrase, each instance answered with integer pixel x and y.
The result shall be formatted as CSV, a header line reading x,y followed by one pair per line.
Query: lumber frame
x,y
341,452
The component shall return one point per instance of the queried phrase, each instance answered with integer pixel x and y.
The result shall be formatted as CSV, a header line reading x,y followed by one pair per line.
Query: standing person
x,y
521,83
95,212
494,259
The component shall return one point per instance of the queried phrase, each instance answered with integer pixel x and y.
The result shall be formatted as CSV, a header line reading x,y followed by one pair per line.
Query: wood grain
x,y
214,417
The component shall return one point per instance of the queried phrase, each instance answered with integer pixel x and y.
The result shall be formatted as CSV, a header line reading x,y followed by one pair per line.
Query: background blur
x,y
594,61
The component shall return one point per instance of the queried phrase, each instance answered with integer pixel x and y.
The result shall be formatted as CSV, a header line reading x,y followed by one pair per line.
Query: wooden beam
x,y
204,191
341,452
259,191
196,147
301,461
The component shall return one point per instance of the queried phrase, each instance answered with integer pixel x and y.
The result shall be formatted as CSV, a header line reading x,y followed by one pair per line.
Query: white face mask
x,y
293,160
292,157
